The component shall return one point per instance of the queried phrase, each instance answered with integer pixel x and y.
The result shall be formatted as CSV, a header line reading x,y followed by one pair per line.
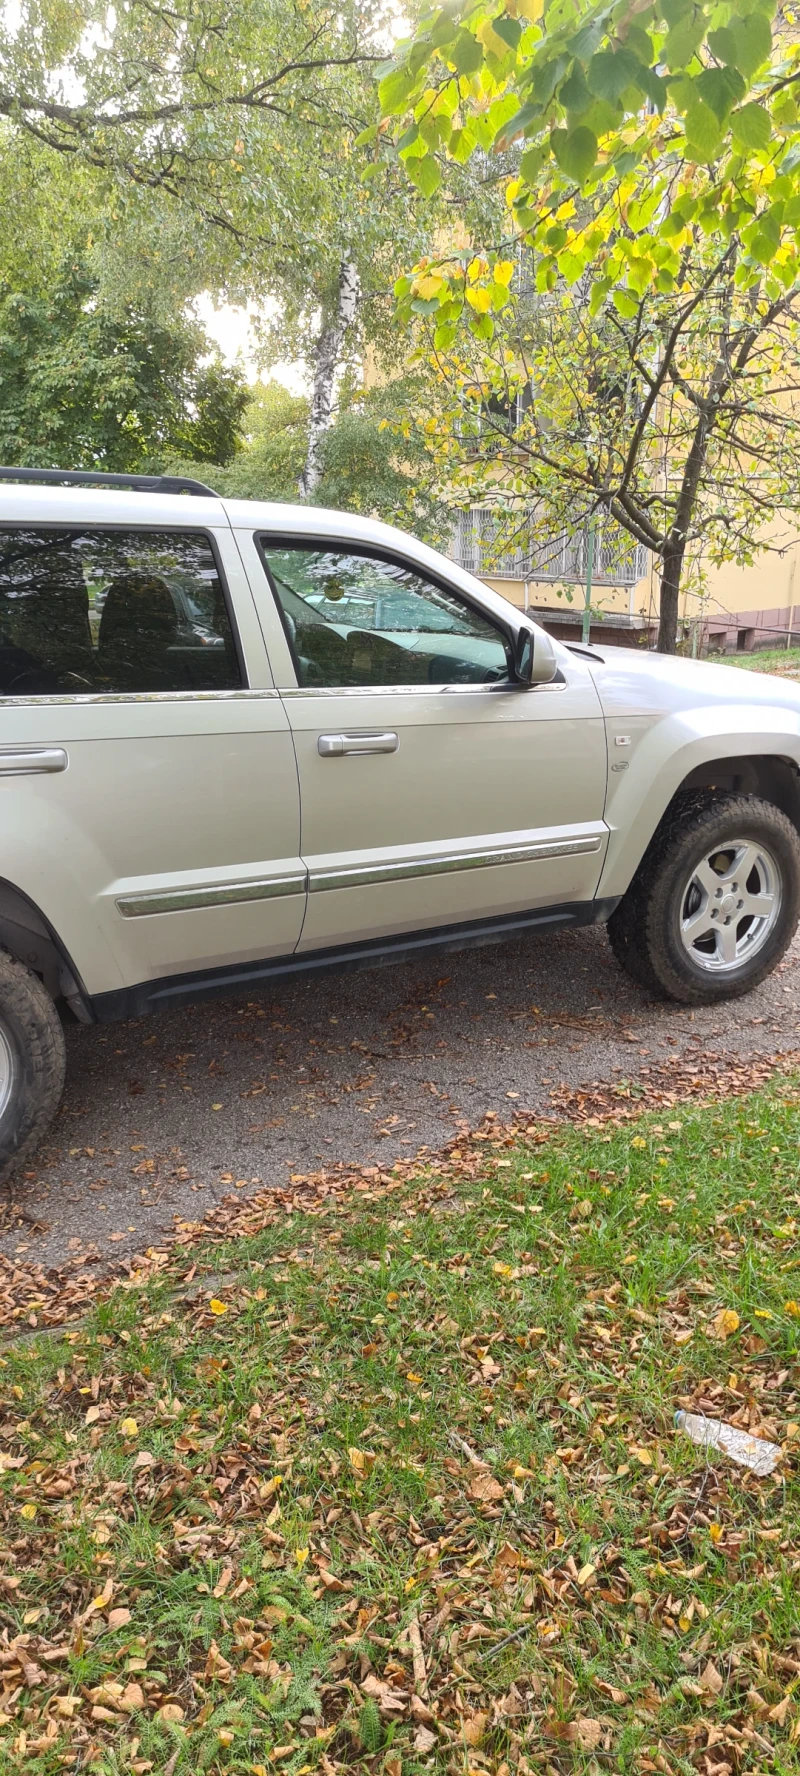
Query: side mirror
x,y
535,660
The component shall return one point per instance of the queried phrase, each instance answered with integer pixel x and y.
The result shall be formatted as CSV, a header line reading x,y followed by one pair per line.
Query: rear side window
x,y
89,611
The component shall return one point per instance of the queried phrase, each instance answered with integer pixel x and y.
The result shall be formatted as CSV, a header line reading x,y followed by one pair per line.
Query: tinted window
x,y
357,620
91,611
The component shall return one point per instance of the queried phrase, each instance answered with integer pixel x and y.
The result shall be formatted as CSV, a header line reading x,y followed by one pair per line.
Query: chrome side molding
x,y
358,875
181,900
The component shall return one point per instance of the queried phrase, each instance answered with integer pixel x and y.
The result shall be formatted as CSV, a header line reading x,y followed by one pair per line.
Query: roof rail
x,y
97,478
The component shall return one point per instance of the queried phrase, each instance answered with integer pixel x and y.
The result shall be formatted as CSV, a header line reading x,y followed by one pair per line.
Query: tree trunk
x,y
671,570
328,353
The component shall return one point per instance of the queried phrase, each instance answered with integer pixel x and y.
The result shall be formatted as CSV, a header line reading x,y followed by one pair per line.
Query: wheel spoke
x,y
759,906
726,942
744,863
697,926
707,878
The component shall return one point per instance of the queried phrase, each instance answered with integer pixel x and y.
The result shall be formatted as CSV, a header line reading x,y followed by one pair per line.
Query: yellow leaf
x,y
715,1532
218,1307
638,1141
479,299
129,1427
414,1379
643,1456
726,1323
301,1556
793,1308
503,1270
28,1512
504,271
362,1460
586,1573
392,1298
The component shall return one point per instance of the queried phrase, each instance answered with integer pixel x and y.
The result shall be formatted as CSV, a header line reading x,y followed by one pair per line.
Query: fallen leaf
x,y
484,1487
474,1727
726,1323
129,1428
118,1618
170,1711
362,1460
424,1740
710,1679
217,1307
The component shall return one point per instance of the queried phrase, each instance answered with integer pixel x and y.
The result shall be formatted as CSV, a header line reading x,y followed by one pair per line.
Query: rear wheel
x,y
32,1061
715,902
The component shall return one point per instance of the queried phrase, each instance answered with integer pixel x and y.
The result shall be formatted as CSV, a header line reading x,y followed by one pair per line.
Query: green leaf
x,y
574,93
720,88
599,292
366,135
751,126
395,91
532,162
575,152
744,44
466,54
509,29
702,132
753,42
425,174
683,39
610,72
625,304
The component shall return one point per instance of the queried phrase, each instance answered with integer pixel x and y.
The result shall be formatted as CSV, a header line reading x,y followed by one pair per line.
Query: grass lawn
x,y
784,661
393,1484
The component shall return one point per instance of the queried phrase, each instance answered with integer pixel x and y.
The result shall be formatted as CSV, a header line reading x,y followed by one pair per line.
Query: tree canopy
x,y
640,274
85,387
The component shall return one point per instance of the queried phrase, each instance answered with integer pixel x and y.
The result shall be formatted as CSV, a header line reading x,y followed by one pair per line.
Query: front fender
x,y
664,751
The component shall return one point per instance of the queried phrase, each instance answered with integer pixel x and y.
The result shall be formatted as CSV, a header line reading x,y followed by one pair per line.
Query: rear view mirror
x,y
535,660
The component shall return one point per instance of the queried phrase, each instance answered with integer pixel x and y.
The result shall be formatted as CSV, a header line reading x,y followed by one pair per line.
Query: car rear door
x,y
147,771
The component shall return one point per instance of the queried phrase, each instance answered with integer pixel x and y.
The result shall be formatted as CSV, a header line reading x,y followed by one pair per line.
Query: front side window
x,y
360,620
95,611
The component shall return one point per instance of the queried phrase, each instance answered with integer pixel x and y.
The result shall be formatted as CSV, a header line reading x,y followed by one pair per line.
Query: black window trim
x,y
198,530
373,552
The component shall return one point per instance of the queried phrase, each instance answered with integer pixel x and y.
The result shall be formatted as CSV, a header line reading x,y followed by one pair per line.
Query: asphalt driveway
x,y
166,1115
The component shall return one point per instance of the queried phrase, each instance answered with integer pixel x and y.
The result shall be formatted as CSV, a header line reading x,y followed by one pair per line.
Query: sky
x,y
231,328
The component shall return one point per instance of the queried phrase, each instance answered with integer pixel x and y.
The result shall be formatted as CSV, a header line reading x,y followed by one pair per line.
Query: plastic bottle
x,y
741,1446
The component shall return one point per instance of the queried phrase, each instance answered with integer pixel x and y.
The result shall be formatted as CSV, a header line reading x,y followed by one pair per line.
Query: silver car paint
x,y
172,840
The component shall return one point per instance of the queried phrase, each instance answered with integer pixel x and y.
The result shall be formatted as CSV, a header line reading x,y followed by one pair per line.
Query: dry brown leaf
x,y
424,1740
170,1711
118,1618
362,1460
484,1487
474,1727
711,1679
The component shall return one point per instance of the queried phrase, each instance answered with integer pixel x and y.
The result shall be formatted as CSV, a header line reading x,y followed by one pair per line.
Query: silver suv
x,y
240,742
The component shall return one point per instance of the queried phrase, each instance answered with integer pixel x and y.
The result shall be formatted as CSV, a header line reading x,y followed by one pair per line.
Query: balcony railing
x,y
618,561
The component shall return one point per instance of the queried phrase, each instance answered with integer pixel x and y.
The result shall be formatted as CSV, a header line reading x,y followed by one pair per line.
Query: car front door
x,y
434,790
147,770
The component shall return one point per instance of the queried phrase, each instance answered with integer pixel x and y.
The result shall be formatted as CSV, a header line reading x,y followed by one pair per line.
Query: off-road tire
x,y
32,1031
644,929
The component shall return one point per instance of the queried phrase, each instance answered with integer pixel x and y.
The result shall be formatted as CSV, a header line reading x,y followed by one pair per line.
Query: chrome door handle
x,y
335,745
22,763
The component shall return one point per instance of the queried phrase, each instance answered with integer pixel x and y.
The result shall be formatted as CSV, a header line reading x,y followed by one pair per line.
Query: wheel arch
x,y
29,936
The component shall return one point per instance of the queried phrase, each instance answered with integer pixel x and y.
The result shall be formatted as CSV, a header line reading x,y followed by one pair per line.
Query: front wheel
x,y
32,1062
715,903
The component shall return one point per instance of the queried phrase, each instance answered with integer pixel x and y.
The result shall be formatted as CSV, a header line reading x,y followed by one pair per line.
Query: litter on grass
x,y
714,1433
